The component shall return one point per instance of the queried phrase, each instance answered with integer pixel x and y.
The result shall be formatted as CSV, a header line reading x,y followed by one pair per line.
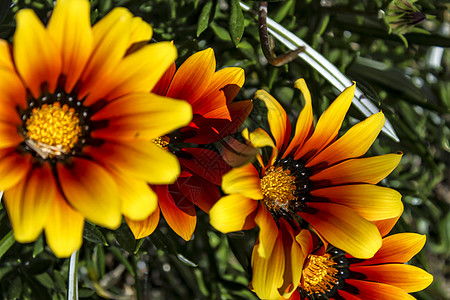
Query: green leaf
x,y
6,242
205,17
38,246
236,22
92,234
15,289
125,238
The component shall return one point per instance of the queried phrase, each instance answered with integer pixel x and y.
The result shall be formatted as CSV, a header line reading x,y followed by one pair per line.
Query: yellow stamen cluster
x,y
53,129
319,274
278,188
162,142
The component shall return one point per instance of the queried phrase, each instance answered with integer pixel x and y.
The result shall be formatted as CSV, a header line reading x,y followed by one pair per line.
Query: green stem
x,y
137,283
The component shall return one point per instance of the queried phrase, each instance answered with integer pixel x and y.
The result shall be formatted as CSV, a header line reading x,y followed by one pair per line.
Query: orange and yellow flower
x,y
312,179
78,120
335,275
215,116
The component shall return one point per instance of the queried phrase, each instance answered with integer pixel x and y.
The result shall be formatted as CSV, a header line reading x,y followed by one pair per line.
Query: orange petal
x,y
343,228
397,248
5,56
304,239
193,77
70,27
141,160
163,84
29,203
328,125
304,126
280,127
111,37
243,180
385,226
348,296
268,272
12,91
9,137
44,62
230,213
144,228
375,291
64,230
408,278
13,168
142,116
354,143
178,213
268,232
359,170
369,201
92,191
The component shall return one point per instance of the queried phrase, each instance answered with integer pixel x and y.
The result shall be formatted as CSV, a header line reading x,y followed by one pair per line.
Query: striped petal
x,y
369,201
304,126
91,189
375,291
354,143
268,232
70,27
29,203
268,272
64,230
359,170
141,160
280,127
328,125
144,228
43,63
397,248
230,213
177,211
343,228
408,278
243,180
13,167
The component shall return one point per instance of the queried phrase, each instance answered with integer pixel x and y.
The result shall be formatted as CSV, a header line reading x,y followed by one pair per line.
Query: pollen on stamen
x,y
319,275
53,129
278,188
162,142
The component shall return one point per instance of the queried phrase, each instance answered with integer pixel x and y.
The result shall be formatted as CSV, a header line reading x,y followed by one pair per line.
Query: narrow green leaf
x,y
205,17
6,243
92,234
236,22
38,246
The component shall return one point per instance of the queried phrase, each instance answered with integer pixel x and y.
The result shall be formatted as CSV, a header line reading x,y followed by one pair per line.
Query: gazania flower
x,y
215,116
336,275
77,121
312,179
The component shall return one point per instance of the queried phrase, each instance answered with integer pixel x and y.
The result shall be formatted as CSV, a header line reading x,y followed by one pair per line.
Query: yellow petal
x,y
35,53
144,228
258,139
304,126
268,272
329,124
13,167
354,143
142,116
111,37
230,213
278,120
369,201
29,203
5,56
343,228
304,239
141,31
137,199
243,180
92,191
141,160
359,170
70,27
64,230
268,232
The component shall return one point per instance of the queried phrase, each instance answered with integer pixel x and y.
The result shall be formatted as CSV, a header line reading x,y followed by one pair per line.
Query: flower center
x,y
323,275
285,187
278,188
53,129
319,274
162,142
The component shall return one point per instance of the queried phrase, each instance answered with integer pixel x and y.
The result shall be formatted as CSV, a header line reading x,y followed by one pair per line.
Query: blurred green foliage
x,y
411,85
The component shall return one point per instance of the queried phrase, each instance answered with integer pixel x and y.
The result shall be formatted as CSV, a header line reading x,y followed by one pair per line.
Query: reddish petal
x,y
375,291
200,192
164,82
13,167
144,228
178,213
